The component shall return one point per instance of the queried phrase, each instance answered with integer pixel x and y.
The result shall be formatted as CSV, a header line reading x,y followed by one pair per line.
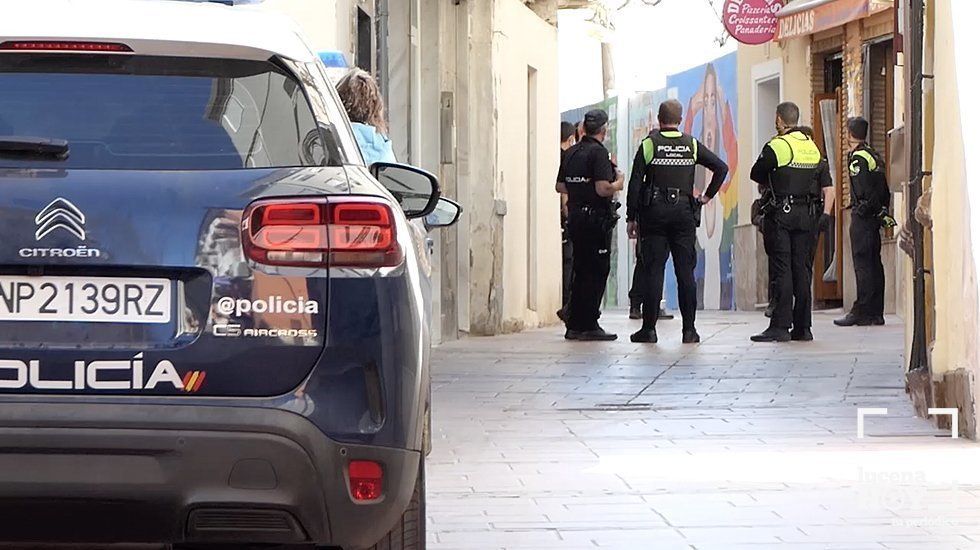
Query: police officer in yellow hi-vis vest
x,y
869,208
802,198
663,212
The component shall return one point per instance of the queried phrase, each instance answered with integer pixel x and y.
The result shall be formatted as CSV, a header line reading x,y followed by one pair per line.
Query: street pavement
x,y
542,443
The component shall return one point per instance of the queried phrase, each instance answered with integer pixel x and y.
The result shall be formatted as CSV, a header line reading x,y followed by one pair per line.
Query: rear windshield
x,y
159,113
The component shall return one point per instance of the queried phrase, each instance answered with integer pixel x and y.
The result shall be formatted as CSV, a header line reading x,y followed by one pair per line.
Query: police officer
x,y
569,136
869,202
662,210
792,168
591,180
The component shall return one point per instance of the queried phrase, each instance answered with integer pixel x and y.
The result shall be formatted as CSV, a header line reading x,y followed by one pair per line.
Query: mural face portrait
x,y
710,128
709,132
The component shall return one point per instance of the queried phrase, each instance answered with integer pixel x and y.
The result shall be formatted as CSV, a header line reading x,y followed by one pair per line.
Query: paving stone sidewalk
x,y
542,443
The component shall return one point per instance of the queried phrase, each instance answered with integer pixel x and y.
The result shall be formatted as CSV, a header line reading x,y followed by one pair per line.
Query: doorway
x,y
767,98
364,54
828,264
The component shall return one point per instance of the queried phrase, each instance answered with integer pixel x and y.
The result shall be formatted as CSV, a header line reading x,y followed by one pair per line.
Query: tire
x,y
409,532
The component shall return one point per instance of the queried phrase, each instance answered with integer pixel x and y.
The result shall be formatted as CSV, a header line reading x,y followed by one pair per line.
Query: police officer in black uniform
x,y
869,202
794,171
569,137
590,179
662,210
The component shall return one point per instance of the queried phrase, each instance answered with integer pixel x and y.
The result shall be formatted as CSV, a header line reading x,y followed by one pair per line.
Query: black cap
x,y
594,121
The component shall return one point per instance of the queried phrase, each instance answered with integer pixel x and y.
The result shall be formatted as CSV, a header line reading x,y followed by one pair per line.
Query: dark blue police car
x,y
213,316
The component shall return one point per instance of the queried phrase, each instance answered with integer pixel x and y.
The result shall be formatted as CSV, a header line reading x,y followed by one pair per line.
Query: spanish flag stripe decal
x,y
189,384
200,381
187,380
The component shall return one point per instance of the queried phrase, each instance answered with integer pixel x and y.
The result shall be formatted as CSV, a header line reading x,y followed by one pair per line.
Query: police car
x,y
213,316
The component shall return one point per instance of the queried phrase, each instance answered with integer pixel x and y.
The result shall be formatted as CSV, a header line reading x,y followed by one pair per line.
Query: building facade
x,y
942,345
836,60
472,92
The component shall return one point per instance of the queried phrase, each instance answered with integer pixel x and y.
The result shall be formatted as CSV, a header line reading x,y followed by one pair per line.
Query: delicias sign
x,y
752,21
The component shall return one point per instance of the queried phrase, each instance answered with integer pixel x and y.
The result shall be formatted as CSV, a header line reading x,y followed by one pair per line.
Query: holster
x,y
696,207
646,195
865,209
760,208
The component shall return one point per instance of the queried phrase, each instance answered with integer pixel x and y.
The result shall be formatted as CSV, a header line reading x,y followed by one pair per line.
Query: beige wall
x,y
953,270
532,240
327,24
795,81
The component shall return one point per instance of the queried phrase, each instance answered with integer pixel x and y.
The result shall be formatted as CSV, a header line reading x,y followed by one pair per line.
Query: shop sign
x,y
823,15
752,21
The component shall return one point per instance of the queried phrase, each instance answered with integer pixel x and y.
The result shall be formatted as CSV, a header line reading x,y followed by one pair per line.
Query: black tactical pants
x,y
868,270
591,236
638,288
790,238
766,241
566,266
669,230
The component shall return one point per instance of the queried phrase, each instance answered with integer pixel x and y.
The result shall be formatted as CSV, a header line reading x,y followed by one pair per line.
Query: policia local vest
x,y
877,190
797,159
670,157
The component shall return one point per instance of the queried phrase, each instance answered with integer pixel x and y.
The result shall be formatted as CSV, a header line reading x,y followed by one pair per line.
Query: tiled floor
x,y
543,443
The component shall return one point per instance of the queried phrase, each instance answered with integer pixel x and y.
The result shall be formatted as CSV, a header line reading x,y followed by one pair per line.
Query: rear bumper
x,y
131,473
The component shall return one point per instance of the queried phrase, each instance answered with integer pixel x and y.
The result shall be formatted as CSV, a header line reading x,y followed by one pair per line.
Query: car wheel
x,y
409,532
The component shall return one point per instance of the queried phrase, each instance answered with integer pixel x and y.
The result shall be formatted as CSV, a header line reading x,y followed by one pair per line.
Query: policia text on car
x,y
869,207
591,180
664,213
801,193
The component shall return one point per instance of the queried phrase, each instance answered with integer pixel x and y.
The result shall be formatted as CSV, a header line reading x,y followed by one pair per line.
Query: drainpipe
x,y
381,39
918,360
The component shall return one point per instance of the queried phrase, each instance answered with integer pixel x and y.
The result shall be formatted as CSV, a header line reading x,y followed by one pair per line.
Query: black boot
x,y
801,335
635,311
596,335
848,320
772,334
690,336
644,336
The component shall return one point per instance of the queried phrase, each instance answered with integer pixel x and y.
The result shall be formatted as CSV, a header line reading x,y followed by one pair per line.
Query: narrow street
x,y
542,443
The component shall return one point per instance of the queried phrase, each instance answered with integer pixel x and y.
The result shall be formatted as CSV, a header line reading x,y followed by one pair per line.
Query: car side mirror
x,y
446,214
416,190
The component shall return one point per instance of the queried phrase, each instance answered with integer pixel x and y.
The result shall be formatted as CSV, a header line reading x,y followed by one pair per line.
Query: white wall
x,y
325,23
579,60
523,40
967,43
954,196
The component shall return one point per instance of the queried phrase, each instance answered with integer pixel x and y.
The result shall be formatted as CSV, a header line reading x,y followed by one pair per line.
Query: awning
x,y
803,17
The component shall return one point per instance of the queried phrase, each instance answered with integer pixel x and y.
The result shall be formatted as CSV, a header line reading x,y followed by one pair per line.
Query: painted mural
x,y
708,93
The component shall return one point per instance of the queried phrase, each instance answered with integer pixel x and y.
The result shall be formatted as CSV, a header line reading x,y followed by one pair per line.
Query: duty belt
x,y
788,201
590,208
670,195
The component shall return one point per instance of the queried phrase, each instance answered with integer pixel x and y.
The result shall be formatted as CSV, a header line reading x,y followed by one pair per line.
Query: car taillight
x,y
335,232
366,480
63,46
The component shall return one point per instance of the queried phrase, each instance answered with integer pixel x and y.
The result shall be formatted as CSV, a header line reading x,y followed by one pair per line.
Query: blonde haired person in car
x,y
362,99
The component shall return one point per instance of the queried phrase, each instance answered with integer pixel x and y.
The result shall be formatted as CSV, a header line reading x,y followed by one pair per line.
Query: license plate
x,y
87,300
